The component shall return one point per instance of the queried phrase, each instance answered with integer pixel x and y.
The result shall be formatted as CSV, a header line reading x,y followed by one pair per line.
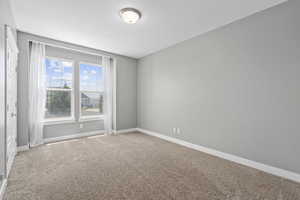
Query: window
x,y
59,100
64,83
91,90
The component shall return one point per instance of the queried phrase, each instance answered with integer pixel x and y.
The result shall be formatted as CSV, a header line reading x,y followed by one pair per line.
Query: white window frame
x,y
72,117
88,117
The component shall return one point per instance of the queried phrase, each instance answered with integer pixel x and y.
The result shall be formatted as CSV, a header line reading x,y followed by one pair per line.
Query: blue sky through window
x,y
91,77
59,73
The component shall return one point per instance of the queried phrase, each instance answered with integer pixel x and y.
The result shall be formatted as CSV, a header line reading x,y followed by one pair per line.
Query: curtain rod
x,y
71,49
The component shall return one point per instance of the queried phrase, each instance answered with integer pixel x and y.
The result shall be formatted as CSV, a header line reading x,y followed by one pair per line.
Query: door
x,y
11,98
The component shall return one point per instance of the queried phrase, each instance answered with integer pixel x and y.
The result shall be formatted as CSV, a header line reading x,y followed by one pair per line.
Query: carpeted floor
x,y
135,166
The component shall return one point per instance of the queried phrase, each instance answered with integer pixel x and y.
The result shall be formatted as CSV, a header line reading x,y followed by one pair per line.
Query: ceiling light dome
x,y
130,15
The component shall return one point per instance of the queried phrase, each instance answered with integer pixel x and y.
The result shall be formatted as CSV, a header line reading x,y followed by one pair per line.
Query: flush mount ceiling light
x,y
130,15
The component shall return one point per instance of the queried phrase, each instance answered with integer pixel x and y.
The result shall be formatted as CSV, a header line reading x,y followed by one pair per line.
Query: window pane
x,y
58,104
91,103
59,73
91,77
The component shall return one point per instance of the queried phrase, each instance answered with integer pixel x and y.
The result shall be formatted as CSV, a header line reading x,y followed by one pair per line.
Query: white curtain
x,y
37,93
108,94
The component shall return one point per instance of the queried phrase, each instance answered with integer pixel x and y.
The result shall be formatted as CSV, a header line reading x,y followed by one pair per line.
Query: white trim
x,y
58,89
68,137
55,121
11,39
9,154
91,118
61,59
126,130
22,148
83,117
263,167
92,91
90,63
2,189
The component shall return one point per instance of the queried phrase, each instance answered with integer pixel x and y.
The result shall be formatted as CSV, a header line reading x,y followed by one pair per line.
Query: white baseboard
x,y
80,135
2,189
266,168
22,148
126,130
68,137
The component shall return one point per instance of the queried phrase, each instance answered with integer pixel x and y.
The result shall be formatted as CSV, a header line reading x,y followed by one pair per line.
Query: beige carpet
x,y
135,166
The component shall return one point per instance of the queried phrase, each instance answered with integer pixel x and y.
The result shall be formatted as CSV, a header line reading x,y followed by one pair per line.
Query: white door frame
x,y
11,43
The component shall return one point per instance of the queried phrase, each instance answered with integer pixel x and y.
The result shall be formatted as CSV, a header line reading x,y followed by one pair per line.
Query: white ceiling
x,y
96,23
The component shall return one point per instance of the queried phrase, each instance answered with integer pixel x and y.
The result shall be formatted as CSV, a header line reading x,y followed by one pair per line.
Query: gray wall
x,y
235,89
126,93
6,18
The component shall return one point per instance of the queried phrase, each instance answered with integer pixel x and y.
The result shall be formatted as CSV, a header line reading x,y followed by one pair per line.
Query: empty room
x,y
149,100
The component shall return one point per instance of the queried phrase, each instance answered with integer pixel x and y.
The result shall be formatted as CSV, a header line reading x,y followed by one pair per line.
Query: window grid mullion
x,y
92,91
59,89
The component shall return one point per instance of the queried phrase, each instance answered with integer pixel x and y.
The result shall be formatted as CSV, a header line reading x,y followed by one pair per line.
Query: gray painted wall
x,y
235,89
6,18
126,92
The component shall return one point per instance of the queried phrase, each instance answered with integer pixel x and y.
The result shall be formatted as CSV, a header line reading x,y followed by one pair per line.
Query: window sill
x,y
92,118
59,121
72,121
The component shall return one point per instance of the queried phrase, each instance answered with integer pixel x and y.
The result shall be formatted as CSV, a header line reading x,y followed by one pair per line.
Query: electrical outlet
x,y
81,126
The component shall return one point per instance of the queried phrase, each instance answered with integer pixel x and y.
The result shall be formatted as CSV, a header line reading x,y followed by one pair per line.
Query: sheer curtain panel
x,y
37,93
108,94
